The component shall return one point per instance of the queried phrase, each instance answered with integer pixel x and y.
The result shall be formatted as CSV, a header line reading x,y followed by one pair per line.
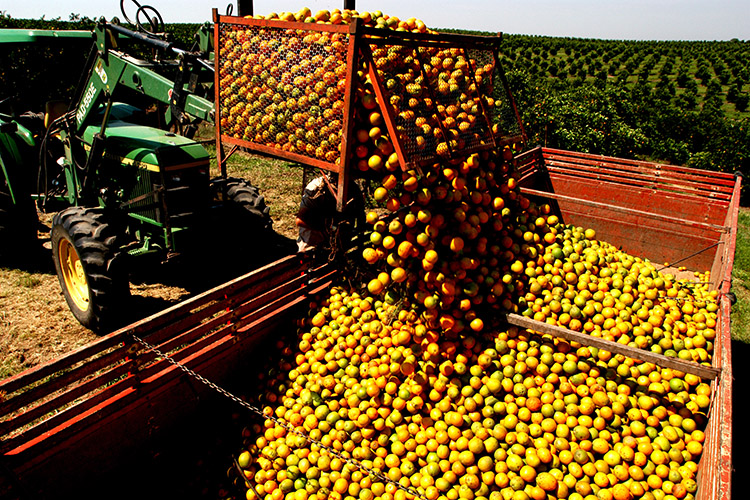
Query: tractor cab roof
x,y
19,35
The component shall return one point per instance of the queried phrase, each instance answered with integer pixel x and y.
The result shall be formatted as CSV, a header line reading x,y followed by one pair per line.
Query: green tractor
x,y
119,167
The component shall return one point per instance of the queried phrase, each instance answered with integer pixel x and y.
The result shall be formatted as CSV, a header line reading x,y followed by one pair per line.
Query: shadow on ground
x,y
215,258
204,267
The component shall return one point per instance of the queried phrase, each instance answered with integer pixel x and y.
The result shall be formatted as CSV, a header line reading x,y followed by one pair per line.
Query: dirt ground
x,y
37,326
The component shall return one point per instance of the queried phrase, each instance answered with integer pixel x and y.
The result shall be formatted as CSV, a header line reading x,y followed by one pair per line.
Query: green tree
x,y
742,102
734,91
600,79
702,73
713,89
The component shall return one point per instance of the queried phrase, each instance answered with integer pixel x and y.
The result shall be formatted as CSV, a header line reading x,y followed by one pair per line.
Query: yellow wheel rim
x,y
73,275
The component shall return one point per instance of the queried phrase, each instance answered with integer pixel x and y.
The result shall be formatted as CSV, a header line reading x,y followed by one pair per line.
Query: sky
x,y
607,19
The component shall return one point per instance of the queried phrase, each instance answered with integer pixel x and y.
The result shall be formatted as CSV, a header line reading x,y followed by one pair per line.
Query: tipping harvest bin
x,y
296,90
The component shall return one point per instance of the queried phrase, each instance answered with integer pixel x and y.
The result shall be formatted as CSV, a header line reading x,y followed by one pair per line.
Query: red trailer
x,y
666,213
77,417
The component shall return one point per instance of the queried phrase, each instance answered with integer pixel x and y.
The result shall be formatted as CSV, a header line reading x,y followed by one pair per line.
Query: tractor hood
x,y
148,147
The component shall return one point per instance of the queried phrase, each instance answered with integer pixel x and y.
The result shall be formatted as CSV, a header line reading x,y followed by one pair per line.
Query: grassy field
x,y
741,280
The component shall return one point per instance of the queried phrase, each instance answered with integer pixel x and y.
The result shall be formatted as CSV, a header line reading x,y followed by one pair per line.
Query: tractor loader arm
x,y
110,71
113,68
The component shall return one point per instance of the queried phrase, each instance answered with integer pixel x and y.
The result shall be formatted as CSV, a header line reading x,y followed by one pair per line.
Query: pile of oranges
x,y
449,243
375,19
409,386
374,403
589,285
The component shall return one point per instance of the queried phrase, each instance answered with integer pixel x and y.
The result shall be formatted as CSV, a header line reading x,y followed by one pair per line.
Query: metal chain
x,y
289,428
679,261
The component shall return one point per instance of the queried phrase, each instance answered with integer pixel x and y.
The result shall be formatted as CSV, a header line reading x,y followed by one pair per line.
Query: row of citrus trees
x,y
32,74
692,71
637,122
675,102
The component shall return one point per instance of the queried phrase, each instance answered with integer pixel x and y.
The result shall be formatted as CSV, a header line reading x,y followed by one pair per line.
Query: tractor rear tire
x,y
246,204
90,266
6,223
18,224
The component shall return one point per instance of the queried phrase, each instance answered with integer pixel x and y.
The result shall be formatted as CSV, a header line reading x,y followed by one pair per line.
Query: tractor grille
x,y
149,205
187,194
184,191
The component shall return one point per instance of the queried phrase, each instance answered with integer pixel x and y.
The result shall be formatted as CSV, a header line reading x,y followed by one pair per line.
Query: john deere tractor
x,y
118,166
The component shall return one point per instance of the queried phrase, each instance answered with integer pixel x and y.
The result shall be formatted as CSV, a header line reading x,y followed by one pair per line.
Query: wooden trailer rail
x,y
66,403
669,214
715,474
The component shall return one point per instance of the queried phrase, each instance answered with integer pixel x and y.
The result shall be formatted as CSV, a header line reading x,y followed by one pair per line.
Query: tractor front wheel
x,y
89,265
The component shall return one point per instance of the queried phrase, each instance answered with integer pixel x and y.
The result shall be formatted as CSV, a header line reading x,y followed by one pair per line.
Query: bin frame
x,y
359,53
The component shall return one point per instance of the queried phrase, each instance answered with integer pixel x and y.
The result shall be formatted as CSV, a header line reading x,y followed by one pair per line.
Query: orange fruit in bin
x,y
410,372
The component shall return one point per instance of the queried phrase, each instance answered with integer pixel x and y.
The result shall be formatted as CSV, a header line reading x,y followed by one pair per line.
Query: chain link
x,y
289,428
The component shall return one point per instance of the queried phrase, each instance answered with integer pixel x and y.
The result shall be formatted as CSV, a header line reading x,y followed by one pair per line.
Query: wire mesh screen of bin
x,y
490,79
283,88
444,99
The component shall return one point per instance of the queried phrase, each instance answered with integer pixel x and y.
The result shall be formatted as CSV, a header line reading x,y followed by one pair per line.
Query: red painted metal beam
x,y
722,179
626,210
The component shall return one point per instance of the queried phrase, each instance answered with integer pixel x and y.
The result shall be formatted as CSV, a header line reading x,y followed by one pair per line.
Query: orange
x,y
370,255
389,242
405,249
456,244
375,286
476,324
389,182
380,194
393,204
621,492
695,448
527,473
546,482
398,274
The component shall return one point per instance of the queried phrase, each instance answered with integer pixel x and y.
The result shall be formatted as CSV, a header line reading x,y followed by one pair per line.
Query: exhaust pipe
x,y
245,7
